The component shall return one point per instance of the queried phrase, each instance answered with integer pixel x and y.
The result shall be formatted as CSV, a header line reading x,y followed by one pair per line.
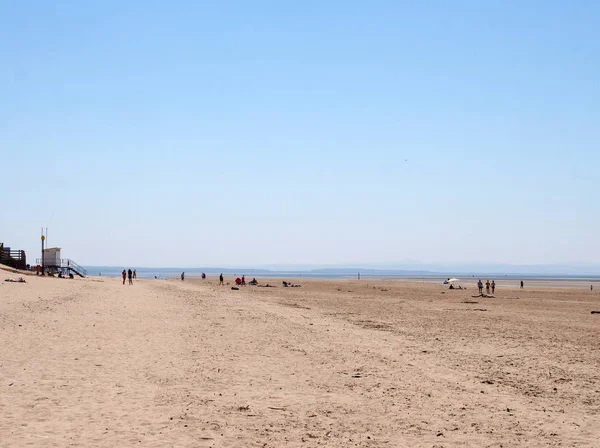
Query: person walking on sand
x,y
487,286
130,274
124,274
493,286
134,274
480,286
521,284
182,276
221,280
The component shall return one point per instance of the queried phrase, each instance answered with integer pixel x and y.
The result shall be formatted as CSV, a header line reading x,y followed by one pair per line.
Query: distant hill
x,y
354,271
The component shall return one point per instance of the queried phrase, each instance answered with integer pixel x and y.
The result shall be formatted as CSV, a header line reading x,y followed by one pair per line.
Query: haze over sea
x,y
516,272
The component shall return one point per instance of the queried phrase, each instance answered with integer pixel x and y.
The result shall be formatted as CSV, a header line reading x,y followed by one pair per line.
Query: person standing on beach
x,y
480,286
493,286
182,276
221,280
591,288
124,274
134,274
521,284
487,286
130,273
243,280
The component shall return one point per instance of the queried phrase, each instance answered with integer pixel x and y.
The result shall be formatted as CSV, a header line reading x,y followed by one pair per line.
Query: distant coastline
x,y
333,273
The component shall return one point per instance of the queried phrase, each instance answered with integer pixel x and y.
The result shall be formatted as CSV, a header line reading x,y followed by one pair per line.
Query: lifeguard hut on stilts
x,y
51,263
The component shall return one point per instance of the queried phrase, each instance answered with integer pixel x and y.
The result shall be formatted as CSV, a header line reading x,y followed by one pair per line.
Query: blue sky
x,y
229,133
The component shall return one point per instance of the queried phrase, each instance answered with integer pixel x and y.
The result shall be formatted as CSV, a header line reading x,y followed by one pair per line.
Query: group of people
x,y
488,285
131,274
240,281
203,276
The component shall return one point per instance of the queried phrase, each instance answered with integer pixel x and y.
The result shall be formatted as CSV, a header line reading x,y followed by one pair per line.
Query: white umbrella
x,y
450,280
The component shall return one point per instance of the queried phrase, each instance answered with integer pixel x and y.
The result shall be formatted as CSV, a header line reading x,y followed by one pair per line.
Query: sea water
x,y
166,273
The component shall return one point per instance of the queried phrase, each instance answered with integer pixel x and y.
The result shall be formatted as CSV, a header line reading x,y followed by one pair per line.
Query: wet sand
x,y
375,363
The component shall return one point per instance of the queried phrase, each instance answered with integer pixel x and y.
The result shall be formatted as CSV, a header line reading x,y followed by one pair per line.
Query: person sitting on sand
x,y
254,282
451,286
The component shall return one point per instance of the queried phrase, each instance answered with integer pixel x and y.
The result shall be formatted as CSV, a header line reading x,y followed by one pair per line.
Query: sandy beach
x,y
340,363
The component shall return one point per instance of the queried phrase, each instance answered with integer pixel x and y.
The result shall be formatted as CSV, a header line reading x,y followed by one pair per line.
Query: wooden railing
x,y
13,258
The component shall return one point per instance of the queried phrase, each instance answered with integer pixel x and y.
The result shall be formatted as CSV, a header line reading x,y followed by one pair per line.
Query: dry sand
x,y
90,362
